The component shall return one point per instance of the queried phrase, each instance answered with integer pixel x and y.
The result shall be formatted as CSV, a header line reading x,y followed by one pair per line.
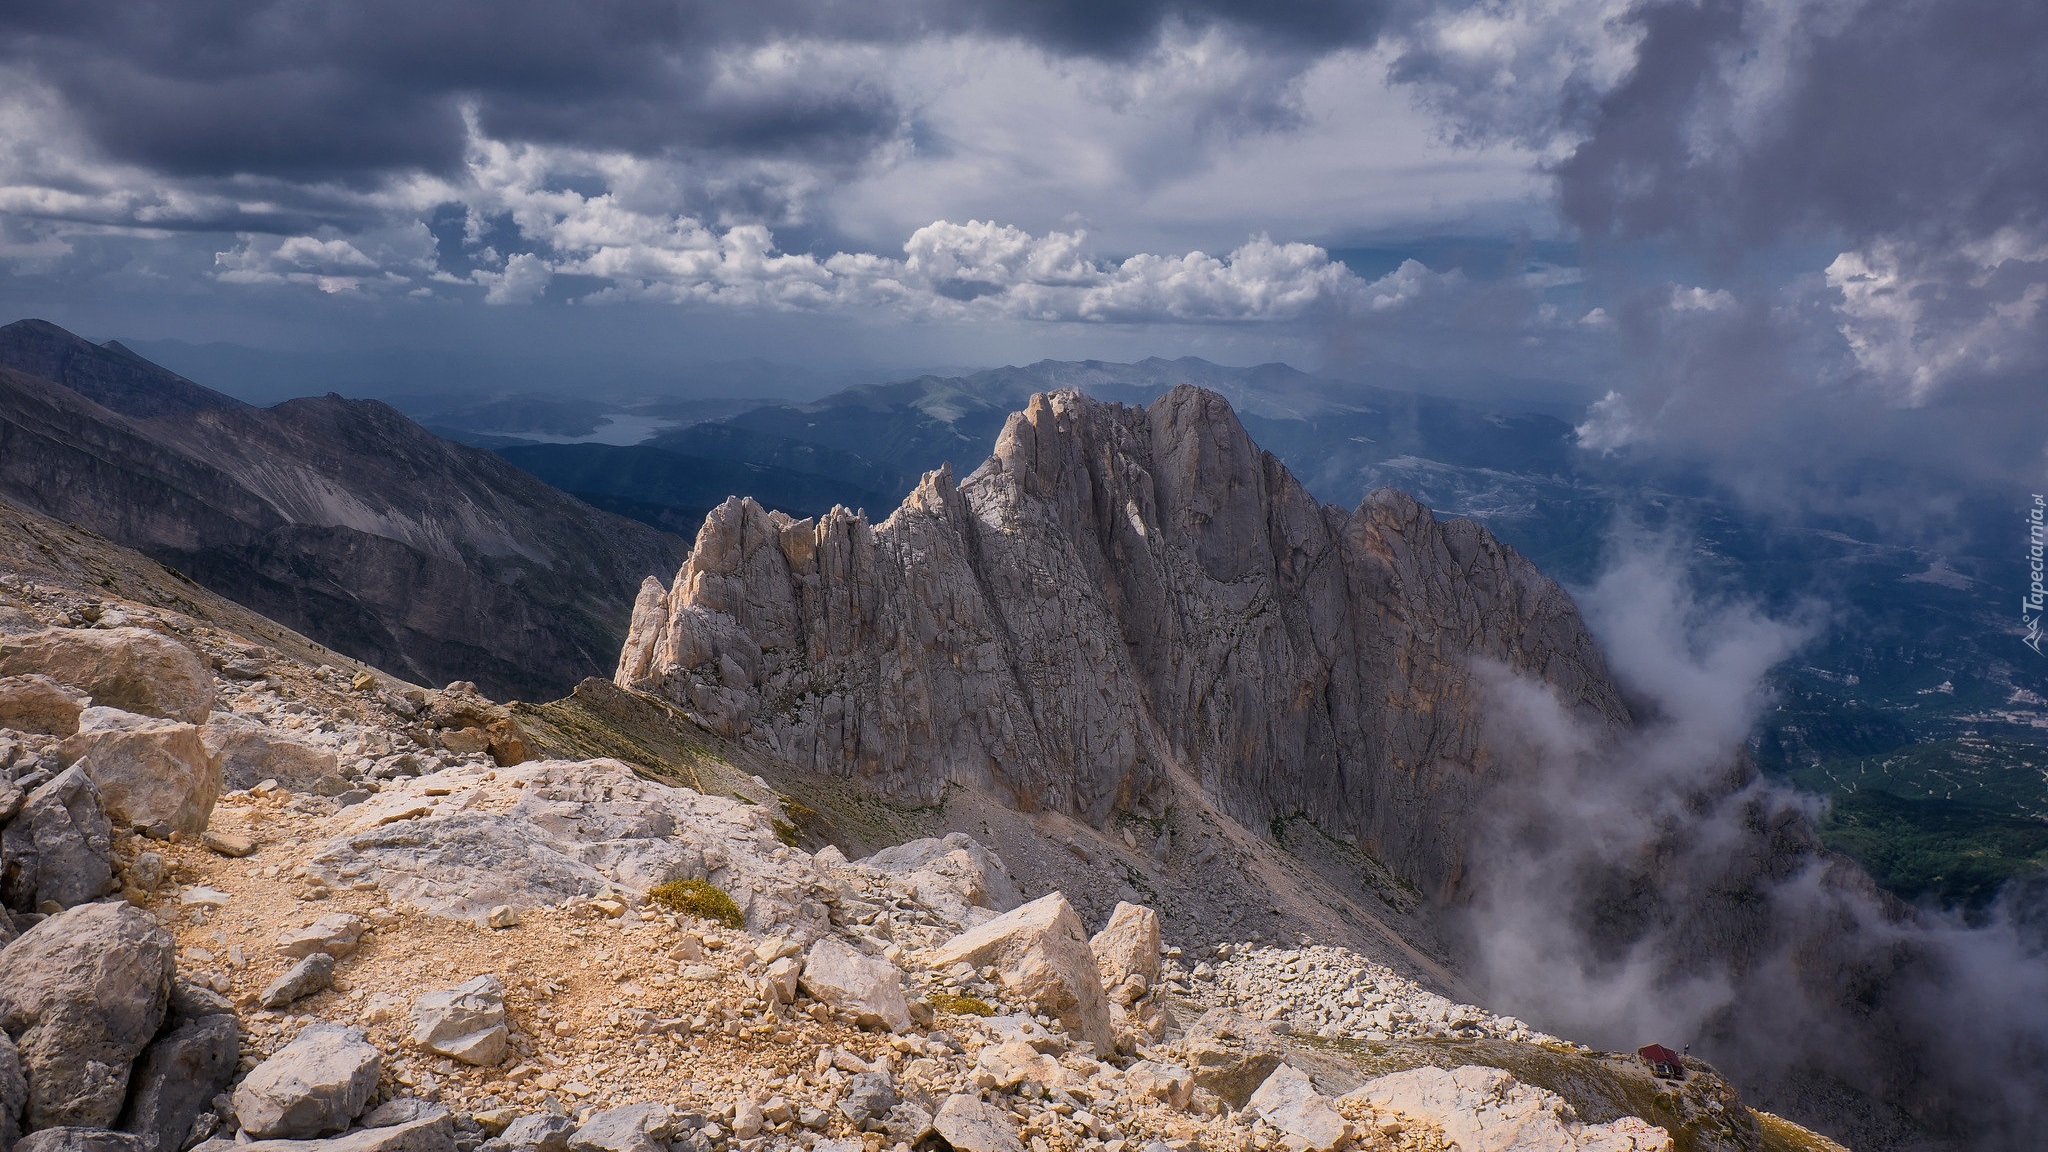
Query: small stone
x,y
908,1122
434,1131
311,975
971,1124
540,1132
1170,1084
642,1127
336,934
781,979
868,1095
228,843
396,1111
466,1022
747,1120
502,916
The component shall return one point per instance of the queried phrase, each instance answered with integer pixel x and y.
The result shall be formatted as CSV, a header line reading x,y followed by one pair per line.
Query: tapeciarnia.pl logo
x,y
2031,606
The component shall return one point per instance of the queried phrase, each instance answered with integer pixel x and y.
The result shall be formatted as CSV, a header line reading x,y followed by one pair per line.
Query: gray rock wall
x,y
1115,595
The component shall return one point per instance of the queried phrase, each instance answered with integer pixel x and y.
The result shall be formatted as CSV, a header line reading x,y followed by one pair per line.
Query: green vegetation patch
x,y
1957,853
2003,774
963,1005
700,899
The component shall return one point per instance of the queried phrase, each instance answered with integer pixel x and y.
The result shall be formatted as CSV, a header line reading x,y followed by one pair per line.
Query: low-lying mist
x,y
1652,887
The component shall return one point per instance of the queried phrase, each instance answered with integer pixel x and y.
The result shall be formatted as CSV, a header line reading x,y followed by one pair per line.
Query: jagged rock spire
x,y
1118,594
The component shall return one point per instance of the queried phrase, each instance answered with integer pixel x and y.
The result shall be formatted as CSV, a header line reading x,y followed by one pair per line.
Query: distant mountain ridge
x,y
866,446
340,518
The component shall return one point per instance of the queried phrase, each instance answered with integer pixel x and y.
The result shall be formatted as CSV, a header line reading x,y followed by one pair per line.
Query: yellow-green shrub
x,y
698,898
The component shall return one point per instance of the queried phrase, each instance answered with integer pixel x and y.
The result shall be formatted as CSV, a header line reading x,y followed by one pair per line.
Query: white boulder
x,y
466,1022
1128,946
1484,1109
152,773
869,987
1042,952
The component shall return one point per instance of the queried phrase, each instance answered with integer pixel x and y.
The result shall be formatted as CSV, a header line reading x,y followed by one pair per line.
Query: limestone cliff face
x,y
1117,594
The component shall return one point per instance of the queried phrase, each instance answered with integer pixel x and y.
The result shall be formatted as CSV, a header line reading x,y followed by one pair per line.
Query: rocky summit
x,y
282,901
1120,597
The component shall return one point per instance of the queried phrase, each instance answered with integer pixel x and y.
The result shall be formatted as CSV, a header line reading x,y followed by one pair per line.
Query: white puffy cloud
x,y
525,277
331,264
626,232
1609,425
1696,299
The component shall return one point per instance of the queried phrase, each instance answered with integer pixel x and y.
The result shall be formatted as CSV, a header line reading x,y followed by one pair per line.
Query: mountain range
x,y
341,518
1912,705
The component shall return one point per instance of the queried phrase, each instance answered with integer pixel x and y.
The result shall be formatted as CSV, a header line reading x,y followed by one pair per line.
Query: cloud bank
x,y
1652,888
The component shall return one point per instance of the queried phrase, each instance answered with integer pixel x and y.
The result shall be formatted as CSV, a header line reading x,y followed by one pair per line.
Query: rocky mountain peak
x,y
1118,598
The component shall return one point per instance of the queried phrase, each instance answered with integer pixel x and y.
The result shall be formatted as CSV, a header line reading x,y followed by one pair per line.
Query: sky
x,y
1799,242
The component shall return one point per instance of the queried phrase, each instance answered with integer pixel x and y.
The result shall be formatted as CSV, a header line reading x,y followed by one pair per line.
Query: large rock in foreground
x,y
1487,1110
58,848
1042,951
314,1085
955,874
152,774
75,1139
1231,1054
37,703
82,993
465,840
868,987
132,669
13,1092
1128,946
250,753
177,1078
1289,1102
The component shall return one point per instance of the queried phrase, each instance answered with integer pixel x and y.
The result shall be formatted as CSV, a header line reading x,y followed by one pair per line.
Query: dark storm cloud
x,y
1903,116
356,91
352,92
1122,27
1860,184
